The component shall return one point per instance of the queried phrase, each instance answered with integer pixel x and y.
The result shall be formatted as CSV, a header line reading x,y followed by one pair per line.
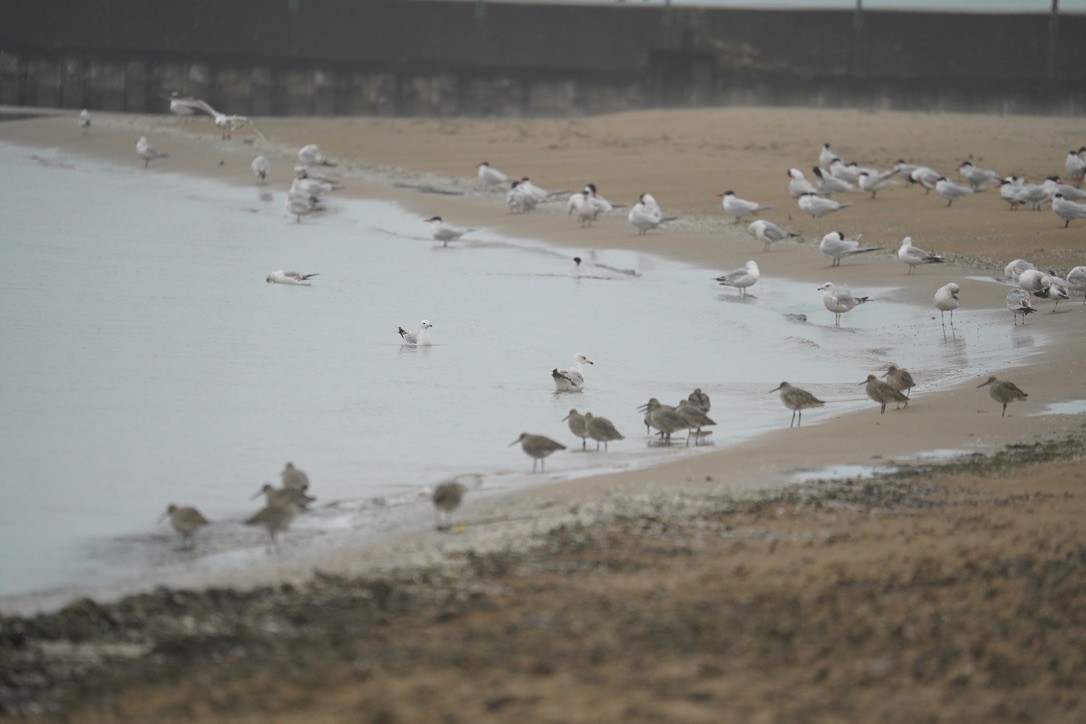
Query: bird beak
x,y
163,516
775,388
982,384
862,383
590,362
565,418
513,443
256,495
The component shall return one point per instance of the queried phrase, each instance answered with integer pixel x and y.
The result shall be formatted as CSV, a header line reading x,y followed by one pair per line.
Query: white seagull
x,y
310,155
1016,267
183,105
952,191
1018,302
571,380
85,120
737,207
914,256
443,232
741,278
1054,287
147,152
818,206
1076,280
227,123
835,246
290,277
417,339
768,232
839,302
261,165
946,300
491,176
1067,210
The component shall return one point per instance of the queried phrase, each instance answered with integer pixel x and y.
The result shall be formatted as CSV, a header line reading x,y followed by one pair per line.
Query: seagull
x,y
228,123
85,120
1016,267
1003,392
147,152
818,206
798,183
836,246
768,232
914,256
261,165
646,215
185,520
829,185
417,339
491,176
952,191
443,232
1067,210
571,380
183,105
876,181
737,207
797,400
290,277
1018,302
946,300
301,204
838,302
741,278
310,155
977,177
1054,287
1031,281
1076,280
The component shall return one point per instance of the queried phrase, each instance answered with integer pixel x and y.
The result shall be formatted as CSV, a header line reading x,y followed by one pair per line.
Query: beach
x,y
645,542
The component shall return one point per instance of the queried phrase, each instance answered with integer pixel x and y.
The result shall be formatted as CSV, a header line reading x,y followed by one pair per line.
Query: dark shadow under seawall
x,y
438,57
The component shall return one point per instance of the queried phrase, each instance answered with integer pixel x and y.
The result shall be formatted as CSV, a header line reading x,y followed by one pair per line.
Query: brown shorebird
x,y
664,418
538,447
577,427
883,393
900,379
284,496
600,429
185,520
700,400
447,497
275,519
294,478
1003,392
695,418
796,400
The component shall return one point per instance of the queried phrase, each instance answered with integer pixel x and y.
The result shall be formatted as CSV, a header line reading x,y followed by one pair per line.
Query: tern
x,y
921,176
818,206
798,183
1008,190
742,278
839,302
876,181
768,232
290,277
1075,165
85,120
417,339
913,256
572,379
952,191
147,152
737,207
946,300
646,215
826,155
1067,210
835,246
978,177
830,185
518,199
445,233
491,176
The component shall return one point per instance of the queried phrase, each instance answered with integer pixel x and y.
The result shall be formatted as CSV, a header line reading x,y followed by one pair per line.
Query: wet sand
x,y
683,158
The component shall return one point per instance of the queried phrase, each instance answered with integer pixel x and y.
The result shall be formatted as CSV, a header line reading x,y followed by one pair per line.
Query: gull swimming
x,y
444,232
491,176
600,429
1003,392
913,256
261,165
838,302
85,120
572,379
883,393
290,277
952,191
537,447
293,478
577,426
417,339
446,498
737,207
768,232
797,400
742,278
186,520
835,246
147,152
946,300
1018,302
900,379
819,206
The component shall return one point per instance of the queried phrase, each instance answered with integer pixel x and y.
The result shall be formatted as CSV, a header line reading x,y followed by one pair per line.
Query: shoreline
x,y
694,240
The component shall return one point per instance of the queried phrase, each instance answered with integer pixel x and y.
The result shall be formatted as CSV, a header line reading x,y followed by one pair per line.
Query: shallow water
x,y
146,361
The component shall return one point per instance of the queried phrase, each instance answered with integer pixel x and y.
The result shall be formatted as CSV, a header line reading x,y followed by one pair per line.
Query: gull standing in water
x,y
1054,287
537,447
1018,302
444,232
900,379
572,379
797,400
737,207
914,256
186,520
838,302
491,176
600,429
946,300
85,120
883,393
835,246
417,339
290,277
742,278
577,426
147,152
446,498
1003,392
768,233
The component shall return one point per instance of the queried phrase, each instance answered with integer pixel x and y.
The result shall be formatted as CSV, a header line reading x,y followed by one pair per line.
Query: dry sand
x,y
684,158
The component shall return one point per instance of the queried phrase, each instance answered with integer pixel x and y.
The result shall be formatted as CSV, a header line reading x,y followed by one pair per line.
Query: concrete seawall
x,y
404,57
